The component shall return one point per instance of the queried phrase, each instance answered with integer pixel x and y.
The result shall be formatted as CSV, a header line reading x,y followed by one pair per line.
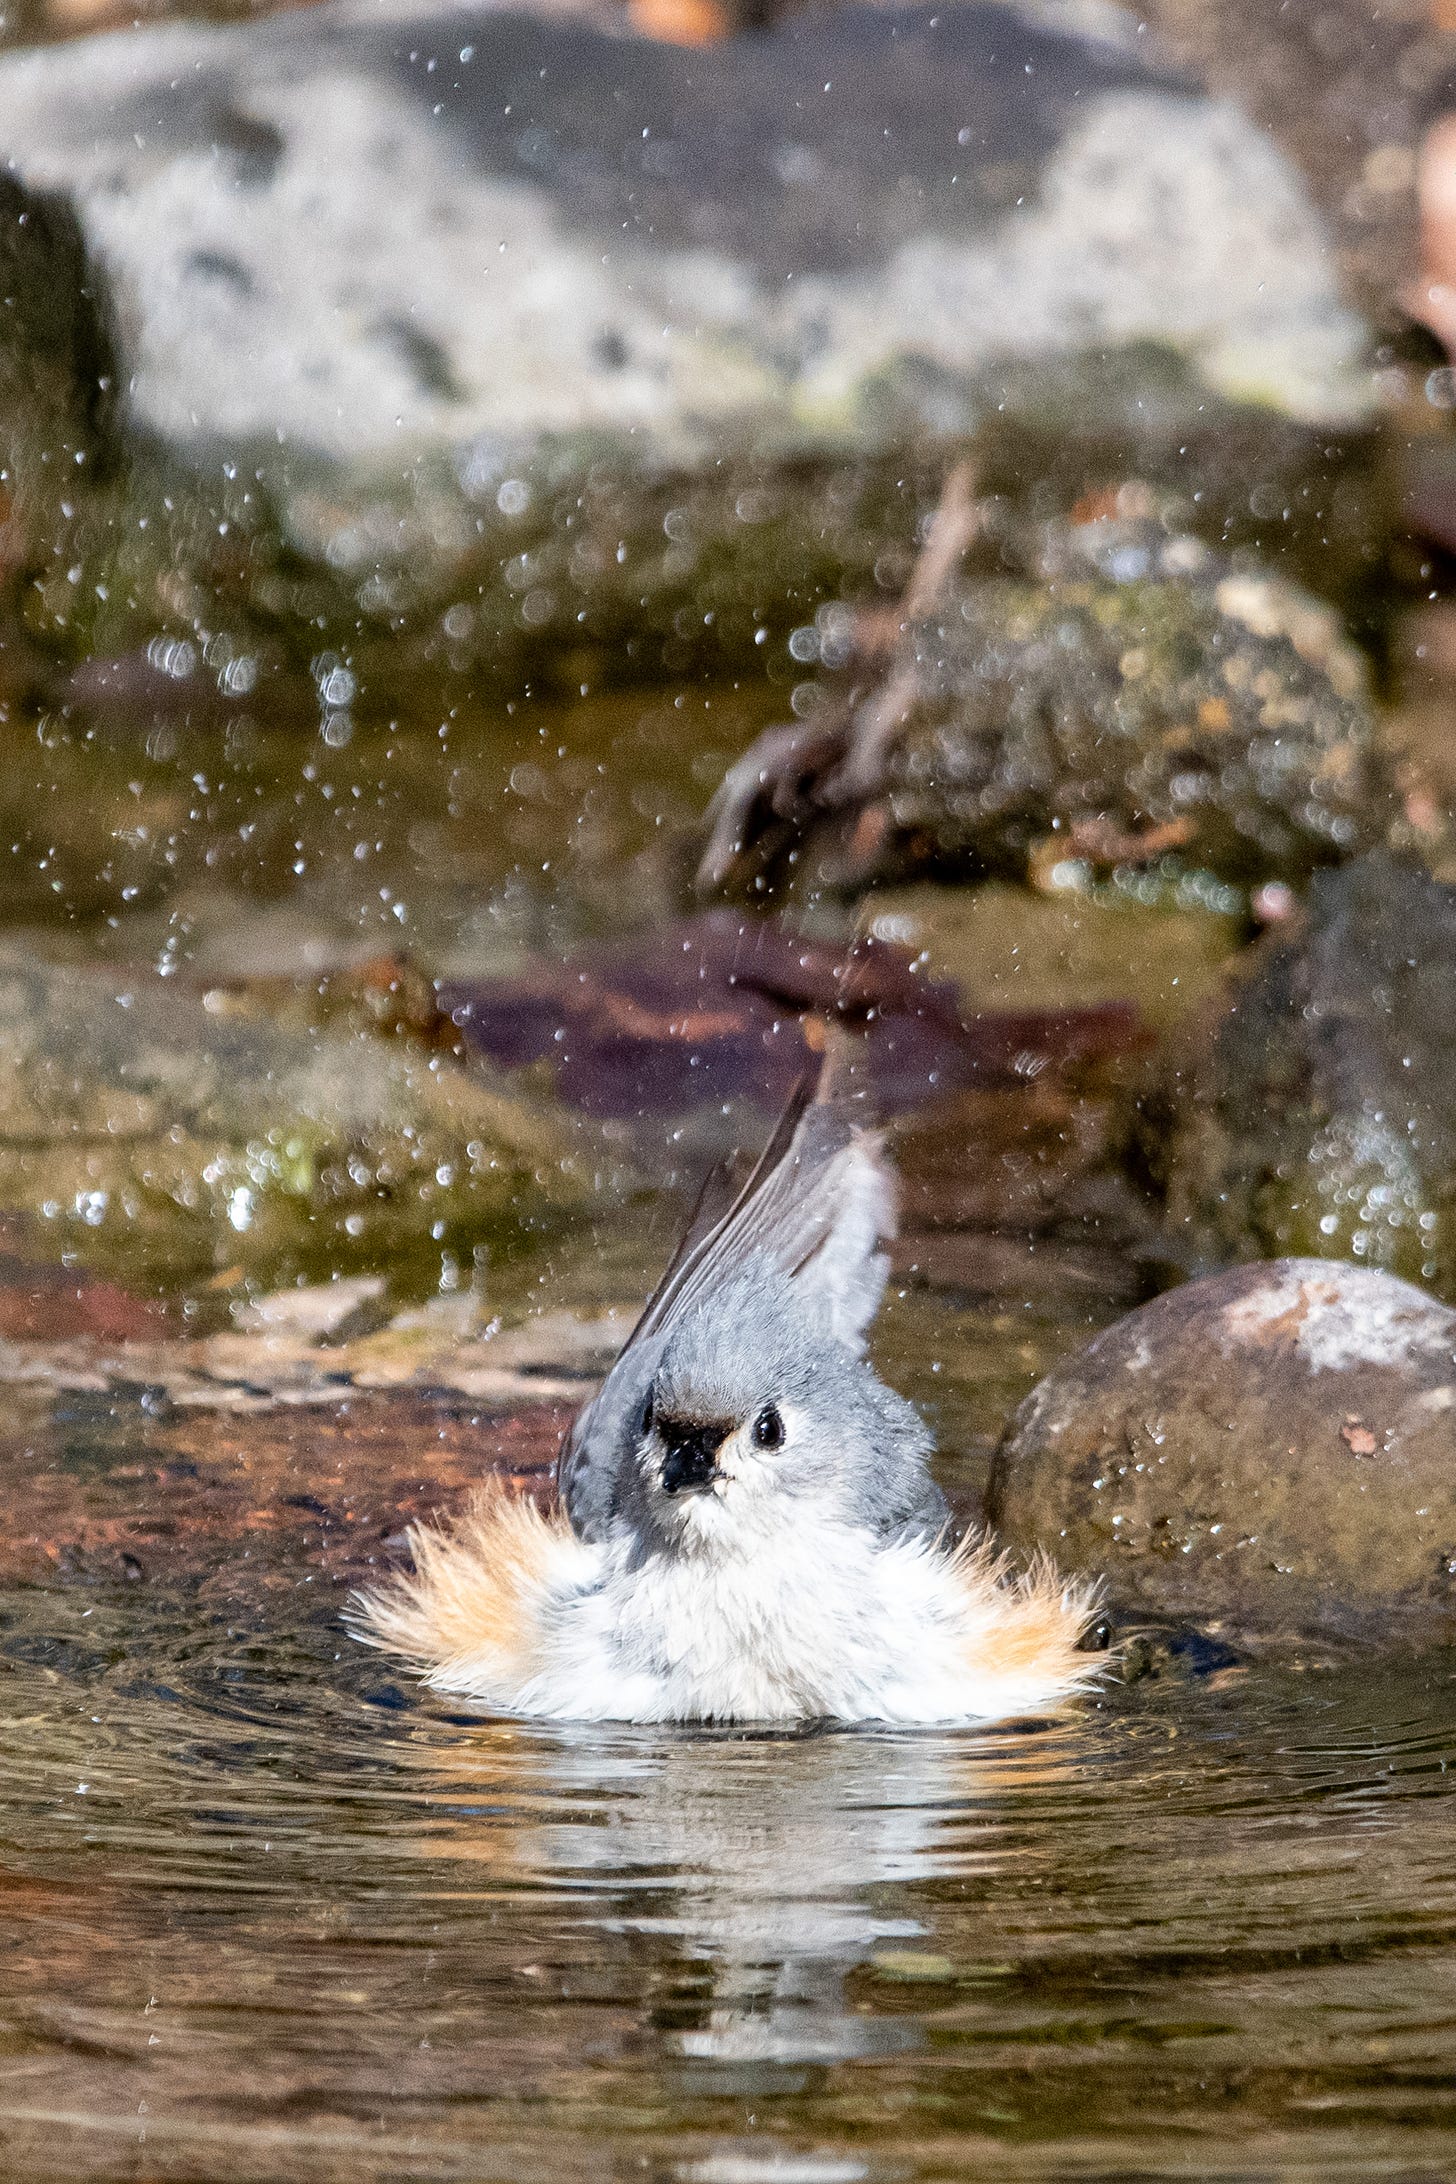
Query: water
x,y
268,1913
471,831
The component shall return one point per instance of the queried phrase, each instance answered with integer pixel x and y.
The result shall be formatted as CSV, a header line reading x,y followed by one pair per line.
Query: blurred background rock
x,y
422,341
469,471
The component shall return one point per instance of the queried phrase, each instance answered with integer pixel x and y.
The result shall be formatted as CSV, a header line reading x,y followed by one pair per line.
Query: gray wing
x,y
820,1203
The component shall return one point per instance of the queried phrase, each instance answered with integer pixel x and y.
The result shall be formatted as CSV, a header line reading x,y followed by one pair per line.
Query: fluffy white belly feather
x,y
510,1609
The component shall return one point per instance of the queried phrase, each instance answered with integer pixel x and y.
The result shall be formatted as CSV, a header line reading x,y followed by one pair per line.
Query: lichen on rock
x,y
1126,698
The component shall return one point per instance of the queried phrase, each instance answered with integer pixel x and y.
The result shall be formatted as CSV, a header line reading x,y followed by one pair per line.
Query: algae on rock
x,y
1129,699
1313,1110
154,1136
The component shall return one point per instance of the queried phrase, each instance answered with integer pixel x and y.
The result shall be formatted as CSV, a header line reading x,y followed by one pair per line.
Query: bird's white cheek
x,y
744,1474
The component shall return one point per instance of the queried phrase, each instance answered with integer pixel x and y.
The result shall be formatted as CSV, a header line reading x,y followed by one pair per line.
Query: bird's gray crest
x,y
809,1227
757,1337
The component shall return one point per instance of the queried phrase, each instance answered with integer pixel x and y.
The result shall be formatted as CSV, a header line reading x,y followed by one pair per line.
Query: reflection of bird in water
x,y
775,1863
749,1529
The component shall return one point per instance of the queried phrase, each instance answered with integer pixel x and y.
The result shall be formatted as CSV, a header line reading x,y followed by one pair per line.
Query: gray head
x,y
743,1399
759,1418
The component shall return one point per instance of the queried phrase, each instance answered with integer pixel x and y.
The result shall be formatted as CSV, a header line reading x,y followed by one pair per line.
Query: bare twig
x,y
952,529
790,774
767,795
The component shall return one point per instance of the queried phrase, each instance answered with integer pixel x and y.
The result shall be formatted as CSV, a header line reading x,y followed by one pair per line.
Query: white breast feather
x,y
510,1609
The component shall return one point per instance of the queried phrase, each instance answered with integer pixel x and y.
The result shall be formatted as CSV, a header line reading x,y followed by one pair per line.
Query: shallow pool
x,y
266,1912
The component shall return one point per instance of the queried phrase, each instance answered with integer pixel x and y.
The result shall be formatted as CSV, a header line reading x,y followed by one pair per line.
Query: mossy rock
x,y
161,1139
1127,705
1312,1108
1137,697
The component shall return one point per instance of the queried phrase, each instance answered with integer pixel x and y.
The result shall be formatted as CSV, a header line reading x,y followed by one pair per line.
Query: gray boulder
x,y
1270,1452
558,331
381,231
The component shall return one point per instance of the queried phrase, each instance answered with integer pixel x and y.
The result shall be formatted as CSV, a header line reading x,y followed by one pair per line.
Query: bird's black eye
x,y
648,1416
768,1429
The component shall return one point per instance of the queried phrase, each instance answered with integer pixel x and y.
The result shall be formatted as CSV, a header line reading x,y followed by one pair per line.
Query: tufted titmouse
x,y
748,1529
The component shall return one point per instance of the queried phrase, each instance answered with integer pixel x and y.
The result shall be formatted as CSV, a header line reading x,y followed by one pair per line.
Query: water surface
x,y
266,1912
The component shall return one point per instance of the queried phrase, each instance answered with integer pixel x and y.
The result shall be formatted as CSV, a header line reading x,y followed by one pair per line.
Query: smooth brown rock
x,y
1270,1452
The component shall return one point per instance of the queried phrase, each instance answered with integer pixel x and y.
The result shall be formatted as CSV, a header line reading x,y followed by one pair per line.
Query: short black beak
x,y
691,1462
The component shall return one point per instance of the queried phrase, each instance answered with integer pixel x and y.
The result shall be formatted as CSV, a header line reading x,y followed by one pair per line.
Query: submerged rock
x,y
1133,698
722,1006
1012,1124
151,1132
1270,1452
529,330
1313,1108
235,1509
